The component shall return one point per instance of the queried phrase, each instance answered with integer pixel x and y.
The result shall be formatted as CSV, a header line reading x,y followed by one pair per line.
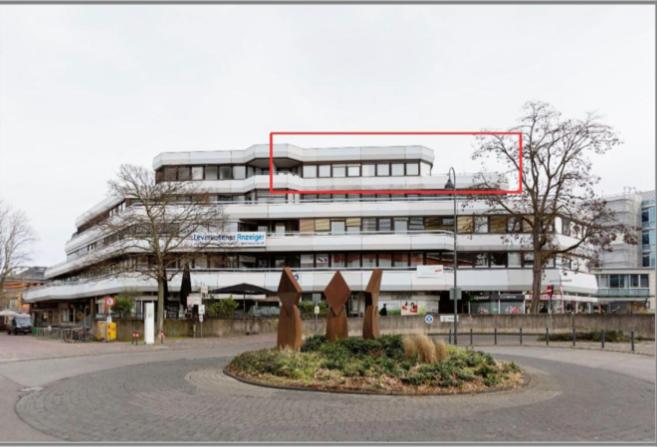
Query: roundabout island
x,y
390,364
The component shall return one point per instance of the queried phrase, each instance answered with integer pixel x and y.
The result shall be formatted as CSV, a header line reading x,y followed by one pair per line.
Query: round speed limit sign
x,y
428,319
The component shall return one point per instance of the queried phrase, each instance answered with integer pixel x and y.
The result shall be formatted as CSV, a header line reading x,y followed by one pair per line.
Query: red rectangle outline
x,y
397,191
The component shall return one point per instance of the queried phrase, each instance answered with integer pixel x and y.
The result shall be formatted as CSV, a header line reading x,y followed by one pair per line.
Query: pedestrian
x,y
384,311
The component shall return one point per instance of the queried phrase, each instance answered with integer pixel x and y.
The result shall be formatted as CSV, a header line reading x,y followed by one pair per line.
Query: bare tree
x,y
557,182
16,236
156,226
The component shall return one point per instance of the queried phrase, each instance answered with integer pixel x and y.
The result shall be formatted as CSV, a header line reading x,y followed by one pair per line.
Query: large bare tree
x,y
557,182
16,237
157,224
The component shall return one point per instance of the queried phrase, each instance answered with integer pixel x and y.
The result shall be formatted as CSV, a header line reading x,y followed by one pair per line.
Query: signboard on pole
x,y
430,271
149,323
447,318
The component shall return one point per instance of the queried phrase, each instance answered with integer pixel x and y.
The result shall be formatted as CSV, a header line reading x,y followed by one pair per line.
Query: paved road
x,y
181,395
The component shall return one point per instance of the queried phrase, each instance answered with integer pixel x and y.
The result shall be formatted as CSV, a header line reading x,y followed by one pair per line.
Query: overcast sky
x,y
84,89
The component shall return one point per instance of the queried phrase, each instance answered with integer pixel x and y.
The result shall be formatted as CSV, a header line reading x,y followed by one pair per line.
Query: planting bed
x,y
390,364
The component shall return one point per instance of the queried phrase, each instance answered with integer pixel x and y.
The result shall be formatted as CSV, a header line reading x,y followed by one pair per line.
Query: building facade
x,y
409,235
626,275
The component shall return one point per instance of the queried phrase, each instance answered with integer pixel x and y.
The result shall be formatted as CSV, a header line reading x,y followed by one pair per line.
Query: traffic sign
x,y
109,301
428,319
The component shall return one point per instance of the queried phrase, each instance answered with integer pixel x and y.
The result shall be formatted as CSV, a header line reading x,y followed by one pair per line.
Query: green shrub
x,y
122,306
313,343
222,308
307,309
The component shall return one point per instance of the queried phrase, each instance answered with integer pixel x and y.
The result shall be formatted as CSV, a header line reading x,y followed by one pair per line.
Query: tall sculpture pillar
x,y
371,319
337,293
289,320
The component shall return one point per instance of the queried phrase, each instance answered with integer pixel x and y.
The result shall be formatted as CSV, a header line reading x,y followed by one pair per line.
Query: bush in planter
x,y
222,308
122,306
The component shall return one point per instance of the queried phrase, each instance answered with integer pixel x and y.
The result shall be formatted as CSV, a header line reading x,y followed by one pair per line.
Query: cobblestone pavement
x,y
189,399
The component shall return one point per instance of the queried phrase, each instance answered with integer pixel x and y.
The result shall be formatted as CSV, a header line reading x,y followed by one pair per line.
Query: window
x,y
310,171
498,224
337,226
279,228
401,224
416,224
239,172
353,170
645,217
353,225
433,223
321,260
565,227
197,173
527,259
481,224
415,259
279,261
464,224
225,172
211,172
368,170
514,259
369,260
634,281
481,260
617,281
433,258
324,170
339,197
466,259
170,173
400,259
603,281
513,225
385,260
307,260
425,168
184,173
527,224
398,169
383,169
339,171
322,225
644,281
369,224
412,169
353,260
385,224
338,260
498,259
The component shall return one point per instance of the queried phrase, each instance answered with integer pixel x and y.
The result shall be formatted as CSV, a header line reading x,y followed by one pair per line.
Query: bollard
x,y
602,339
449,340
521,336
574,336
470,336
547,336
632,340
495,335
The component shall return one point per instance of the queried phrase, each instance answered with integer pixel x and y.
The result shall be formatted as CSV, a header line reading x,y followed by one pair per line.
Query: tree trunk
x,y
160,306
537,273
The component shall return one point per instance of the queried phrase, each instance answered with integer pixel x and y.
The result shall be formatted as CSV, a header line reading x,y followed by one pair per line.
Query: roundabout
x,y
187,397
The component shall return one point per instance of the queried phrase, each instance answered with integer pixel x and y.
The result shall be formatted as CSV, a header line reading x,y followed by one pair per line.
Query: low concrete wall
x,y
643,325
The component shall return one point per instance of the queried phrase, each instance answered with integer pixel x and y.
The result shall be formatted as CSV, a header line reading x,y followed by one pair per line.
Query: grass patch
x,y
391,363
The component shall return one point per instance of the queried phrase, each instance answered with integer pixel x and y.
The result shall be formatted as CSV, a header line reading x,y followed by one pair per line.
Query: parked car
x,y
20,324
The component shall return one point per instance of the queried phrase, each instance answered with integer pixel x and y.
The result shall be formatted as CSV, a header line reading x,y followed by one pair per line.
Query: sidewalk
x,y
17,348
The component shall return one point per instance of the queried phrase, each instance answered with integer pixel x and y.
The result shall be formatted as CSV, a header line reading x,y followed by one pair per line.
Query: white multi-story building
x,y
318,234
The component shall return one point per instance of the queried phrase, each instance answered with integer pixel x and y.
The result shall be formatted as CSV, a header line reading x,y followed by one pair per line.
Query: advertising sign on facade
x,y
239,239
430,271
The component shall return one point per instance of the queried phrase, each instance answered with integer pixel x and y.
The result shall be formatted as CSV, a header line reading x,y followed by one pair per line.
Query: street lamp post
x,y
451,184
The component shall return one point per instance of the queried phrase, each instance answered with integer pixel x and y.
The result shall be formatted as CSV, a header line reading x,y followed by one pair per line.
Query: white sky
x,y
84,89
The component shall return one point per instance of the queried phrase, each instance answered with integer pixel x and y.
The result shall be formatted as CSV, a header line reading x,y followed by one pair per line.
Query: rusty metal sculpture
x,y
371,319
289,320
337,293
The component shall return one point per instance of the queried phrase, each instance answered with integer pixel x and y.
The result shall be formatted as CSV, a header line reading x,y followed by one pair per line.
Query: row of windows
x,y
384,169
464,224
327,170
398,259
623,281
